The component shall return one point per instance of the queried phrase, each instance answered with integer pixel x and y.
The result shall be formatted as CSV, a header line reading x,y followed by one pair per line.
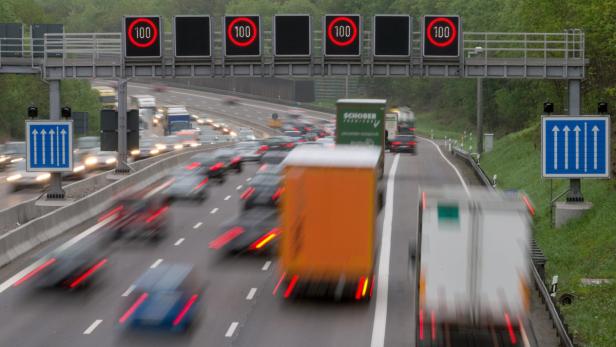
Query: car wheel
x,y
239,169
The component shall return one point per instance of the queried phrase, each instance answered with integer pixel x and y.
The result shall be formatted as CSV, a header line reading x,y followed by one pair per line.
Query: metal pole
x,y
479,115
55,187
575,184
122,157
346,87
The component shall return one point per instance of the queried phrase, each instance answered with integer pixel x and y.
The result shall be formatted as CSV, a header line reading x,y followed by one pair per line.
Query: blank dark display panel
x,y
192,36
293,35
392,36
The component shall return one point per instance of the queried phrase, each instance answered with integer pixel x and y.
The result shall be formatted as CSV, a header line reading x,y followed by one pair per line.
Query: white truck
x,y
472,268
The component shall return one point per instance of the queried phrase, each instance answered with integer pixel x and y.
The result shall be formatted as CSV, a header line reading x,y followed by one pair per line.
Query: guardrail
x,y
537,263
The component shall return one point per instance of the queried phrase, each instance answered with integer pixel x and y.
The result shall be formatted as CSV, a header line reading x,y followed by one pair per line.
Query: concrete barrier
x,y
24,238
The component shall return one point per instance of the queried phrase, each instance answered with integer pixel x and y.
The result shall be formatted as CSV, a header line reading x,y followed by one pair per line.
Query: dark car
x,y
249,150
404,143
166,297
73,267
277,143
207,165
264,190
254,230
274,157
147,148
187,185
231,159
139,216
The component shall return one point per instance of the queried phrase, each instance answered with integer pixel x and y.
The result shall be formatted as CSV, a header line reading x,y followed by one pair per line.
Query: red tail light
x,y
185,309
412,129
510,329
193,165
421,324
225,238
263,168
291,286
276,195
279,282
262,149
423,200
396,143
201,184
111,213
236,160
433,325
247,193
412,143
133,308
216,166
371,286
291,144
88,273
295,129
35,271
156,214
265,239
360,285
530,207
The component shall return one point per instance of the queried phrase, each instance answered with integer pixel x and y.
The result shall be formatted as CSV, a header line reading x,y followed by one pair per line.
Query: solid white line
x,y
227,197
156,263
214,210
179,242
129,290
231,329
238,187
8,283
266,265
380,311
92,327
251,293
450,164
197,225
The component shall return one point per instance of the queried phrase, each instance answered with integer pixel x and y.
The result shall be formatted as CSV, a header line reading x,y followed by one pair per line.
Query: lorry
x,y
175,118
362,122
391,127
328,208
472,270
143,102
108,97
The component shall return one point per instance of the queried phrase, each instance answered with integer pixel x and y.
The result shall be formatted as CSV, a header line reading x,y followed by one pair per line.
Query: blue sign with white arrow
x,y
49,146
575,146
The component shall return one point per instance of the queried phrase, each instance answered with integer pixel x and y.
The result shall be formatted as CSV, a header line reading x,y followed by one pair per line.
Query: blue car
x,y
164,298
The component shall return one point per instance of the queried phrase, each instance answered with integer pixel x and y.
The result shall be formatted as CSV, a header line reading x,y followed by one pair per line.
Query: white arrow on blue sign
x,y
575,146
49,146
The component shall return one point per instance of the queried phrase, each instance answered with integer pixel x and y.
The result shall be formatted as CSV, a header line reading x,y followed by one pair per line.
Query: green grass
x,y
584,248
428,123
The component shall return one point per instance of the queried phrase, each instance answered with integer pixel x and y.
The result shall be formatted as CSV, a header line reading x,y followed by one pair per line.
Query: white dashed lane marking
x,y
156,263
179,242
238,187
92,326
231,329
197,225
251,293
129,290
214,210
228,197
266,265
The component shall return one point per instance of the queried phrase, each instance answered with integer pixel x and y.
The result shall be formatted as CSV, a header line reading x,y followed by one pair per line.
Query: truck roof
x,y
361,101
340,156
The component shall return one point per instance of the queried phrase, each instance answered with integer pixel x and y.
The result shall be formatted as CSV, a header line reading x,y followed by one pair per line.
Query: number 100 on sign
x,y
342,35
142,37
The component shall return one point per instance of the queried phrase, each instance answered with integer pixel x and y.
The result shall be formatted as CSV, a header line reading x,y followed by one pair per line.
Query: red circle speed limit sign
x,y
342,31
342,35
142,37
242,36
441,37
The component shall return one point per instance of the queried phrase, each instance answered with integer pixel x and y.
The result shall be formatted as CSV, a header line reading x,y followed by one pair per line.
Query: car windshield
x,y
404,138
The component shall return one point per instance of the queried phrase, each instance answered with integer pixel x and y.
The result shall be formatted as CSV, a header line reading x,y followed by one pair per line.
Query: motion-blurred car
x,y
160,88
245,134
100,160
140,217
274,157
187,185
164,298
404,143
249,150
208,166
14,151
74,267
172,142
79,171
231,158
147,148
18,178
263,190
255,230
230,101
282,143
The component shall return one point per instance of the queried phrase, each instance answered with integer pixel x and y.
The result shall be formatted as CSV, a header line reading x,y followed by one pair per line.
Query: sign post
x,y
575,146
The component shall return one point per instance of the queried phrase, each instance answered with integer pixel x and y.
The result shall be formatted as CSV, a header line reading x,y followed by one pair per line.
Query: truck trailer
x,y
472,268
328,218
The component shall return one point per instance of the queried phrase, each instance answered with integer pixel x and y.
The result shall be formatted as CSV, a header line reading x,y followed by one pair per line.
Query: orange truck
x,y
328,222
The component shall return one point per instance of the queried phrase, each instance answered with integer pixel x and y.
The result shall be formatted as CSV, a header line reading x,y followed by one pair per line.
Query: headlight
x,y
91,161
3,159
43,177
155,121
79,168
13,178
200,121
233,133
154,151
16,160
194,144
178,146
161,147
208,121
110,161
135,152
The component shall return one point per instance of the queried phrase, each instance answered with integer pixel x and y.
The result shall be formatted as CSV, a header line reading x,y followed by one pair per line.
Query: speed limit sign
x,y
441,37
142,37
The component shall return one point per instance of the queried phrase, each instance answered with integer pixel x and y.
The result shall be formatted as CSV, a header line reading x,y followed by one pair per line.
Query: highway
x,y
238,308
